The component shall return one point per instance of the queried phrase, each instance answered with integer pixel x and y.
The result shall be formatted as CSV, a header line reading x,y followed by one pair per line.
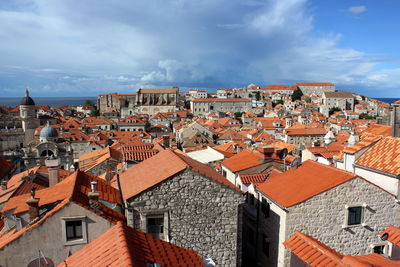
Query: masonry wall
x,y
48,238
202,215
322,217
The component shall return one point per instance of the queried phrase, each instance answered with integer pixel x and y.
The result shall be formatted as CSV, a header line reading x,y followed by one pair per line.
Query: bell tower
x,y
27,113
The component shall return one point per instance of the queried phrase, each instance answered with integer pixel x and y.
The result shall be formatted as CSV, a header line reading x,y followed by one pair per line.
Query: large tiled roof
x,y
315,253
75,188
299,184
315,84
366,141
393,235
307,131
379,129
122,245
312,251
244,160
383,156
339,94
160,167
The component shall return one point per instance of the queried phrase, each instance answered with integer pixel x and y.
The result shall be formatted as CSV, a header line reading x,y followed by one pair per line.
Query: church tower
x,y
27,113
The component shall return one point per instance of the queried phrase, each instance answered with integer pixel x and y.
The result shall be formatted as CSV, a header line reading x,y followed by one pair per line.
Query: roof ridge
x,y
331,167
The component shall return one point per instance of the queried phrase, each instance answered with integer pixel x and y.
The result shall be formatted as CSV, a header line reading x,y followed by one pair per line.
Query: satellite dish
x,y
42,262
296,162
283,153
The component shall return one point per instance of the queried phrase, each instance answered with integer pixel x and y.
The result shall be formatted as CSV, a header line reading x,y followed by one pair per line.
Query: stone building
x,y
55,222
317,88
187,203
146,101
305,137
214,105
342,210
339,99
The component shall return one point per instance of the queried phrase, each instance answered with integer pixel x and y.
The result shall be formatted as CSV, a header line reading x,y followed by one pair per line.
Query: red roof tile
x,y
160,167
288,190
393,235
122,245
221,100
243,160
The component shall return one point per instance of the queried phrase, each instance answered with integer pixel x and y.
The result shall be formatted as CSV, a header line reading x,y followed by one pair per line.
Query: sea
x,y
387,99
50,101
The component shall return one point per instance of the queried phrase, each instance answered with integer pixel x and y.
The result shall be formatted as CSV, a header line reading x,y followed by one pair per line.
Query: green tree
x,y
297,94
89,102
333,110
238,114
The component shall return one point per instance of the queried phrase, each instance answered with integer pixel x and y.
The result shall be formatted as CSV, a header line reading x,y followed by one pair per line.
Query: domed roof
x,y
27,100
48,132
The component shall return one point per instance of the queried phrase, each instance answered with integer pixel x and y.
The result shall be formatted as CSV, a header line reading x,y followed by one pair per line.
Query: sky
x,y
84,48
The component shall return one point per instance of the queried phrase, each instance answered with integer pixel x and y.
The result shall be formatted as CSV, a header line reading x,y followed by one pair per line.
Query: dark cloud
x,y
70,46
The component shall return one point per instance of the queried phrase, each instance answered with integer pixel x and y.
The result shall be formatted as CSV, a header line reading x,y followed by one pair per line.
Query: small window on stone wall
x,y
354,215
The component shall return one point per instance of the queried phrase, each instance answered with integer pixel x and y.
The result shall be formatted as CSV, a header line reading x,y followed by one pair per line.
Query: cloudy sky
x,y
83,48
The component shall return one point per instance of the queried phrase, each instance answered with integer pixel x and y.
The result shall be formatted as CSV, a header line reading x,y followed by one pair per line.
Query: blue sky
x,y
83,48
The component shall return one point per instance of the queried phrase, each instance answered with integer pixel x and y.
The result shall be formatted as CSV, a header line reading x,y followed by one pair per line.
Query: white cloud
x,y
357,9
205,43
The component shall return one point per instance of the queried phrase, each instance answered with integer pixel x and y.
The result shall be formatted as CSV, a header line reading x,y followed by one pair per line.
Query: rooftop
x,y
287,189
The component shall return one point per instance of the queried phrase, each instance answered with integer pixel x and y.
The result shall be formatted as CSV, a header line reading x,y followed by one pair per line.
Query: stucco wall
x,y
48,237
203,215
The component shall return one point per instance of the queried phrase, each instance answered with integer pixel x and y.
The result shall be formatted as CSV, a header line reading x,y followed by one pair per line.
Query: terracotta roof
x,y
379,129
393,235
388,162
307,131
122,245
140,152
338,94
366,141
75,187
312,251
160,167
243,160
221,100
288,190
257,178
316,253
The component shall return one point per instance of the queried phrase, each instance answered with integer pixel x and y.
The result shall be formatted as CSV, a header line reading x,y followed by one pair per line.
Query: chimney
x,y
53,165
4,185
267,151
33,204
93,195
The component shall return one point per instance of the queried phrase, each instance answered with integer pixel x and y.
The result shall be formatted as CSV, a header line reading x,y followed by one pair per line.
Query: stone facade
x,y
48,237
215,105
324,216
317,88
342,100
199,214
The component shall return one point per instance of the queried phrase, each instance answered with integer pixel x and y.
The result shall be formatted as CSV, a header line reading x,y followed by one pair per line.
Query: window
x,y
265,207
379,249
74,230
354,215
265,245
155,226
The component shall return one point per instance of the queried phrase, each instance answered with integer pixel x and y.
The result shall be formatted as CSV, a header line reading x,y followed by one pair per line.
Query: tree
x,y
333,110
89,102
297,94
277,102
258,96
238,114
308,99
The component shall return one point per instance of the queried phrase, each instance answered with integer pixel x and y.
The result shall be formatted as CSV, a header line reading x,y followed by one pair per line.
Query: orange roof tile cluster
x,y
122,245
257,178
158,90
243,160
229,149
307,131
315,253
140,152
383,156
160,167
379,129
312,251
366,141
393,235
287,189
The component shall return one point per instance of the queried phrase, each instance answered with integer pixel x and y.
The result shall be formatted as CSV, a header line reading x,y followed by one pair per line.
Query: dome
x,y
48,132
27,100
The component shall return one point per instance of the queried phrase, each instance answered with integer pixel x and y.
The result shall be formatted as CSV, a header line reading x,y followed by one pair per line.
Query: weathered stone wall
x,y
202,215
322,217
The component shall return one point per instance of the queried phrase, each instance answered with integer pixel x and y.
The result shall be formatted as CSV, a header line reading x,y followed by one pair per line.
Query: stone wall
x,y
201,214
322,217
